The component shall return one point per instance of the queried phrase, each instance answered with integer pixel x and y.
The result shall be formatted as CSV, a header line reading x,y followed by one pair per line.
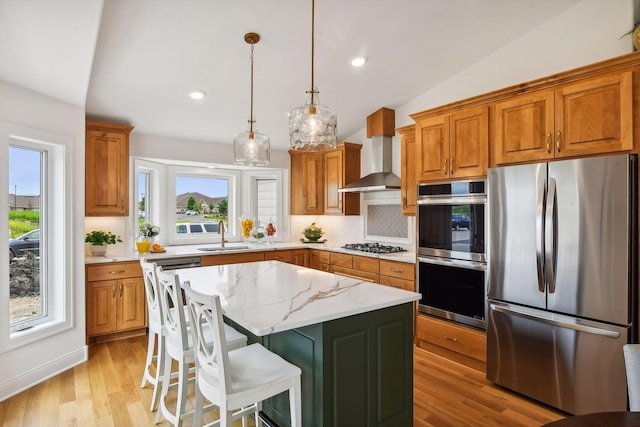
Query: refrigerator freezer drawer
x,y
571,364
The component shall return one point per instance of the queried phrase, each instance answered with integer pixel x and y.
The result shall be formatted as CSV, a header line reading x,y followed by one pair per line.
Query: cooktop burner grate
x,y
375,248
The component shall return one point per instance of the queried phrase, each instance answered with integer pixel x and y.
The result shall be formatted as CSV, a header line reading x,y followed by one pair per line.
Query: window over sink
x,y
188,201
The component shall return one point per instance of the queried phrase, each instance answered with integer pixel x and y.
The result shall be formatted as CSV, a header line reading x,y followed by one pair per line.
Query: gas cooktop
x,y
375,248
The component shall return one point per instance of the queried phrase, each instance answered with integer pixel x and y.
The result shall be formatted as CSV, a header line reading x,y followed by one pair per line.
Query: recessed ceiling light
x,y
359,61
198,94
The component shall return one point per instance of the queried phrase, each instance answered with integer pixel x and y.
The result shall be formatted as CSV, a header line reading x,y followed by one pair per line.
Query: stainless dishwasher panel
x,y
566,362
176,263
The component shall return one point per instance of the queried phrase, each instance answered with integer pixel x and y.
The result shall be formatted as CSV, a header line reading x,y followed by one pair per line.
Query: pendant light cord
x,y
313,7
251,112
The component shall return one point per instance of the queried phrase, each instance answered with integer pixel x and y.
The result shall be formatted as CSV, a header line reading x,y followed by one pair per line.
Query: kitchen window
x,y
35,282
189,201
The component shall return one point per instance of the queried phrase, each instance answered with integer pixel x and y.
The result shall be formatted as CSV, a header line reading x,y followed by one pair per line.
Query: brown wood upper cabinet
x,y
408,176
317,176
592,116
107,169
453,145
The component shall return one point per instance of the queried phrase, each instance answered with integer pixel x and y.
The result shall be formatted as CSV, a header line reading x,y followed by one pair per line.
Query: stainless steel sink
x,y
221,249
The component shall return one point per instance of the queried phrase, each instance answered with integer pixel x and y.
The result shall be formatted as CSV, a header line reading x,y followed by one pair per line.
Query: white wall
x,y
32,363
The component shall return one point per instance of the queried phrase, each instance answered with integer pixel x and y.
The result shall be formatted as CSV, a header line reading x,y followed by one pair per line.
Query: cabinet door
x,y
408,174
101,307
107,172
333,167
307,185
432,139
524,128
300,257
469,143
131,308
595,116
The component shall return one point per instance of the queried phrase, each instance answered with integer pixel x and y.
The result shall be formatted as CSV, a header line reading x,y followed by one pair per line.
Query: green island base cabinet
x,y
356,371
353,340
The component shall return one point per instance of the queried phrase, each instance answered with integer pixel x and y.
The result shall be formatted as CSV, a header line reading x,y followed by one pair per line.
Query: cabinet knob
x,y
113,290
549,142
558,141
120,290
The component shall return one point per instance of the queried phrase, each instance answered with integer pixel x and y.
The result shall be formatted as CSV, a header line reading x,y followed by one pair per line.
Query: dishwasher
x,y
177,263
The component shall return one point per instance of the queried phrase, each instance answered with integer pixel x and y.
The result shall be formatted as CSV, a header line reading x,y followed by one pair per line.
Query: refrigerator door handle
x,y
540,203
550,237
548,319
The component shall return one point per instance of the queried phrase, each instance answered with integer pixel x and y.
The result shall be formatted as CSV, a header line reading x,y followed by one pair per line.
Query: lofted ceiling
x,y
135,61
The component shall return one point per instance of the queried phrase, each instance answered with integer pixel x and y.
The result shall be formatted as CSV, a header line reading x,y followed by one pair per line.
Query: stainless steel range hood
x,y
380,128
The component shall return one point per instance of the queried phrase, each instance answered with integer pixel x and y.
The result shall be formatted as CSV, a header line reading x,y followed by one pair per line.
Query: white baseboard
x,y
41,373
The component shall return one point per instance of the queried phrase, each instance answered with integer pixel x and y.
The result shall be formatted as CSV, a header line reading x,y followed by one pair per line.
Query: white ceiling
x,y
135,61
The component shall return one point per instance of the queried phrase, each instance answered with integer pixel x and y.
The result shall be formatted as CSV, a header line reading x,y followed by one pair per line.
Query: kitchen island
x,y
352,339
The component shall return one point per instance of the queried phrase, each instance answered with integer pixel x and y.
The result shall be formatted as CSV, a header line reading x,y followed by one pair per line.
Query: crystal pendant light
x,y
250,147
312,127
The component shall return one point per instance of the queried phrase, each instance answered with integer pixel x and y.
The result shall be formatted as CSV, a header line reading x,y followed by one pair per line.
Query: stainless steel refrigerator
x,y
562,280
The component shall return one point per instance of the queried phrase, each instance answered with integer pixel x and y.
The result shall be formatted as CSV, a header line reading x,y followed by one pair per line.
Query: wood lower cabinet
x,y
398,274
593,116
107,169
453,341
300,257
115,299
408,174
319,260
453,145
358,267
222,259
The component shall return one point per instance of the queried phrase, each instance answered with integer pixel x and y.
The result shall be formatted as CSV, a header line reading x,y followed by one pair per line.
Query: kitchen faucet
x,y
221,230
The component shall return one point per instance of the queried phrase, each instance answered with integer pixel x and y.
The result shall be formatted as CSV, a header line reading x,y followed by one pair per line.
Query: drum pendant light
x,y
312,127
250,147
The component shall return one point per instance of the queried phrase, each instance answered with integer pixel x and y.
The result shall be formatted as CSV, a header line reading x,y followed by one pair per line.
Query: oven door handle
x,y
470,265
449,200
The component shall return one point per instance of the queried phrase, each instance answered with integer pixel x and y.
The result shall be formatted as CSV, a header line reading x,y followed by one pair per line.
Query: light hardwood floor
x,y
106,391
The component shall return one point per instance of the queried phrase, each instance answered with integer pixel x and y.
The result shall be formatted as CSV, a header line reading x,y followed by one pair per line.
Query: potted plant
x,y
635,32
99,240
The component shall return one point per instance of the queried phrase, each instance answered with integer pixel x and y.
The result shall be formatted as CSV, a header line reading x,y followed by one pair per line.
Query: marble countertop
x,y
269,296
193,250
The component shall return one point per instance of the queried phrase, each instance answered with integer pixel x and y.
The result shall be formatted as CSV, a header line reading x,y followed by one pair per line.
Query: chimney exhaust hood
x,y
381,128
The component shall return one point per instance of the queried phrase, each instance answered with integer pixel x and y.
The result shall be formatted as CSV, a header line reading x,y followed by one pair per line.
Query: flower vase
x,y
143,244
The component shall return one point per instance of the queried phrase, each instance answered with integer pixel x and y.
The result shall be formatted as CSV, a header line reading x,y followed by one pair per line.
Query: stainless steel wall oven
x,y
451,268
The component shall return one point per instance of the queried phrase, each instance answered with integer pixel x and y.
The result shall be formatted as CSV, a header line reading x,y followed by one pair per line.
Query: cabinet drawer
x,y
401,270
231,258
284,256
361,263
355,274
460,339
113,270
407,285
341,260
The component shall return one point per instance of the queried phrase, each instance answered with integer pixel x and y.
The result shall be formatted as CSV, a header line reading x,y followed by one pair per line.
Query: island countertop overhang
x,y
266,297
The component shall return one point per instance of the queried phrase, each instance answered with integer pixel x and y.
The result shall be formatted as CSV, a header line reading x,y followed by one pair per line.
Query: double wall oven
x,y
451,267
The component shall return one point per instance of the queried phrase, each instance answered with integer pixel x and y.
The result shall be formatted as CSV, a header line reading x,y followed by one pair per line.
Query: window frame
x,y
56,238
234,193
251,178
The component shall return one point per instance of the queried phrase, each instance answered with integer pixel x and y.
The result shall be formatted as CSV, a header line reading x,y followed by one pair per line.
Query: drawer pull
x,y
117,272
393,270
450,338
113,290
120,290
